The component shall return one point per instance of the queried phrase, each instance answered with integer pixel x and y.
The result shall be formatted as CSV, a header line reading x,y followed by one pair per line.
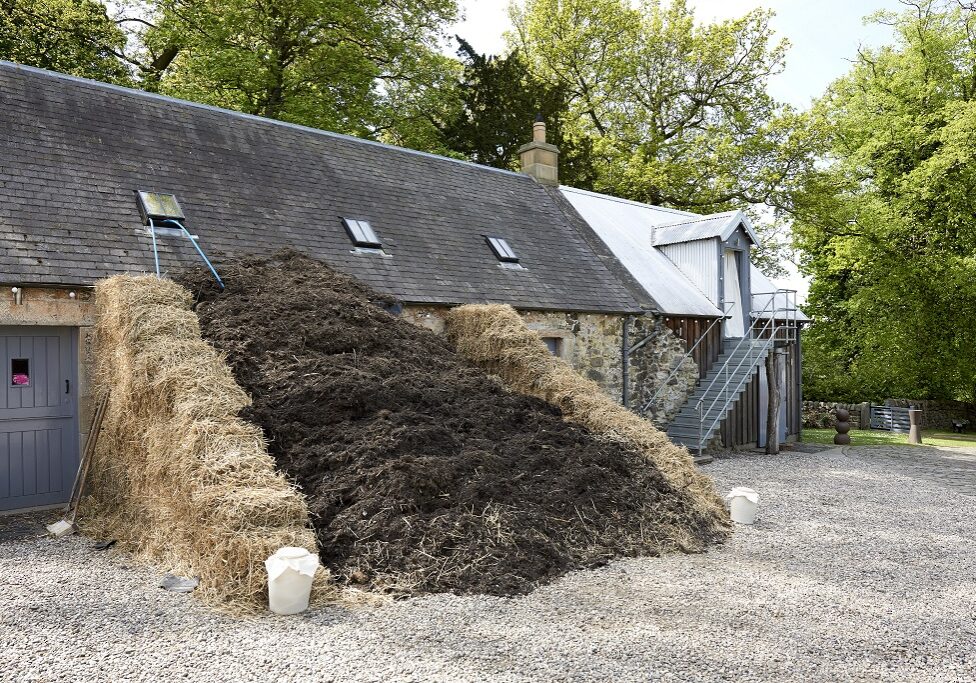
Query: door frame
x,y
74,420
739,243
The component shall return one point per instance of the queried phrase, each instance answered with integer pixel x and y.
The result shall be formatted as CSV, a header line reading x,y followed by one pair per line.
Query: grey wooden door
x,y
38,416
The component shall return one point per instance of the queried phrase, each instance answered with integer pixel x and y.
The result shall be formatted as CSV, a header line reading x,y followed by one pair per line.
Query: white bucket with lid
x,y
290,574
743,503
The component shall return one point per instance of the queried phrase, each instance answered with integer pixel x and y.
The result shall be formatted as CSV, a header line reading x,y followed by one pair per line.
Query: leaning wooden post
x,y
775,398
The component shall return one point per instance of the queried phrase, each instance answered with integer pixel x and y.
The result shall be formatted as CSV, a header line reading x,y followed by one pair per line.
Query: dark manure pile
x,y
422,473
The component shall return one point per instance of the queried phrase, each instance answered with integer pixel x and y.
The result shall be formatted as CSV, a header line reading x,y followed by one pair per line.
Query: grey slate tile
x,y
75,152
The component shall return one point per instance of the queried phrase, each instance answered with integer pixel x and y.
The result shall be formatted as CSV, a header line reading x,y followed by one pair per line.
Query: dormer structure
x,y
713,252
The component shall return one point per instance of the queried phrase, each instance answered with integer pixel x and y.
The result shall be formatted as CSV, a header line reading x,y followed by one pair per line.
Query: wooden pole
x,y
775,398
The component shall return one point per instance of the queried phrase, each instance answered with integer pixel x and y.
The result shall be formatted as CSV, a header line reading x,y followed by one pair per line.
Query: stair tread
x,y
734,367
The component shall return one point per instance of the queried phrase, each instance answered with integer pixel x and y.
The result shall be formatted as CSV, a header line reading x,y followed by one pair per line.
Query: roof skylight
x,y
361,233
159,207
502,250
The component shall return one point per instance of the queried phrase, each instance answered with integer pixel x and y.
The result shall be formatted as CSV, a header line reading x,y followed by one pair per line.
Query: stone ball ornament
x,y
842,438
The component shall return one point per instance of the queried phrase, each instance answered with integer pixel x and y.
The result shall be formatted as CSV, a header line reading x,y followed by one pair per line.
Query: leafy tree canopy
x,y
352,67
72,36
886,224
677,112
500,98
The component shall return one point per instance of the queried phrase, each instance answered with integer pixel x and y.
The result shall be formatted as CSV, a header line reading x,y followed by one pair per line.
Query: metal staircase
x,y
716,394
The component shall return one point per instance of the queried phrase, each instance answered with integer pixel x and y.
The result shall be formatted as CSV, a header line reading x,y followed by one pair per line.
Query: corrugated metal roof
x,y
626,227
720,225
761,286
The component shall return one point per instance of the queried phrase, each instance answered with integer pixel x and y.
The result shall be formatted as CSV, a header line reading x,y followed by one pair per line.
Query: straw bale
x,y
178,478
496,338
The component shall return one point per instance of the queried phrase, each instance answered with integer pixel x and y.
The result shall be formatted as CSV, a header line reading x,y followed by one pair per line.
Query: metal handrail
x,y
187,234
769,324
152,231
742,341
677,367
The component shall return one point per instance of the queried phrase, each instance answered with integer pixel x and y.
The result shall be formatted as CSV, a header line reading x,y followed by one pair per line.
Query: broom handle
x,y
79,485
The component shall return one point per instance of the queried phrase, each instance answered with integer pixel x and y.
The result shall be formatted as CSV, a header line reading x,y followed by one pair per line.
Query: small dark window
x,y
361,233
503,252
20,372
554,344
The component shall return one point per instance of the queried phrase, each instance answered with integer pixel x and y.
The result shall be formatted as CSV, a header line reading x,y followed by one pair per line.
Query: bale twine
x,y
177,478
496,338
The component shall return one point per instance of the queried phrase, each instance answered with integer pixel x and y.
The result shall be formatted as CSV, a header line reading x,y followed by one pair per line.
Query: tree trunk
x,y
775,398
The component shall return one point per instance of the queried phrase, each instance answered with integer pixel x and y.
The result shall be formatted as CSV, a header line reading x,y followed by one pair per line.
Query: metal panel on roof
x,y
720,225
626,227
698,261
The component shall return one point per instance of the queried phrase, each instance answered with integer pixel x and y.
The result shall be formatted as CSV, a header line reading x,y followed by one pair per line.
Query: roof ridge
x,y
700,218
611,197
57,75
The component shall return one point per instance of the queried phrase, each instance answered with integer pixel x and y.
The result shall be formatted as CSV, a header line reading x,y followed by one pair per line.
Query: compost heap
x,y
422,473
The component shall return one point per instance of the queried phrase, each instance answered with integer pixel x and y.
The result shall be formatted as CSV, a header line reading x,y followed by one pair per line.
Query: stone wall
x,y
822,415
652,364
935,414
56,307
940,414
593,344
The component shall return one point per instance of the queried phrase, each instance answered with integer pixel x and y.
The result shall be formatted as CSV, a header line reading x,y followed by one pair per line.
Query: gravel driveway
x,y
852,573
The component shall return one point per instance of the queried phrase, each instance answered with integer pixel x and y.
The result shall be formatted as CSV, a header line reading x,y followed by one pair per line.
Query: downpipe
x,y
625,360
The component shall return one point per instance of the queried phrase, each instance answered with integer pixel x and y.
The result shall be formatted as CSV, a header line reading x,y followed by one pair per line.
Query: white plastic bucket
x,y
743,503
290,574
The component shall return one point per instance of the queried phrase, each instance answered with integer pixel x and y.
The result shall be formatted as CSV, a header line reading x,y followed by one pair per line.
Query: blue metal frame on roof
x,y
164,208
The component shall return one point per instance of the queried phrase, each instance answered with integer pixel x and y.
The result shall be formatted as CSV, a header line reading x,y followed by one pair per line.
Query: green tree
x,y
500,99
886,224
71,36
677,112
324,63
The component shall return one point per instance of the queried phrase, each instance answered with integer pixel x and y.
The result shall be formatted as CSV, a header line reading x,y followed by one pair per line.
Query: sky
x,y
824,37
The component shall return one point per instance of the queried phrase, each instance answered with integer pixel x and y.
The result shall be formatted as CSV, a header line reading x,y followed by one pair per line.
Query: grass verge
x,y
873,437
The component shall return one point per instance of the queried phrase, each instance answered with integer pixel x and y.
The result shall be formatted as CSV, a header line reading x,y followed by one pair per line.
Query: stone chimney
x,y
540,159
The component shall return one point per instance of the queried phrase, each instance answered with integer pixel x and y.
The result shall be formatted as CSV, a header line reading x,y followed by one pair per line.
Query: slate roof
x,y
720,225
626,228
73,152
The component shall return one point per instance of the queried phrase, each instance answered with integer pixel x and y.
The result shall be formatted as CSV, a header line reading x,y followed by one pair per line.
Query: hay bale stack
x,y
497,339
177,477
